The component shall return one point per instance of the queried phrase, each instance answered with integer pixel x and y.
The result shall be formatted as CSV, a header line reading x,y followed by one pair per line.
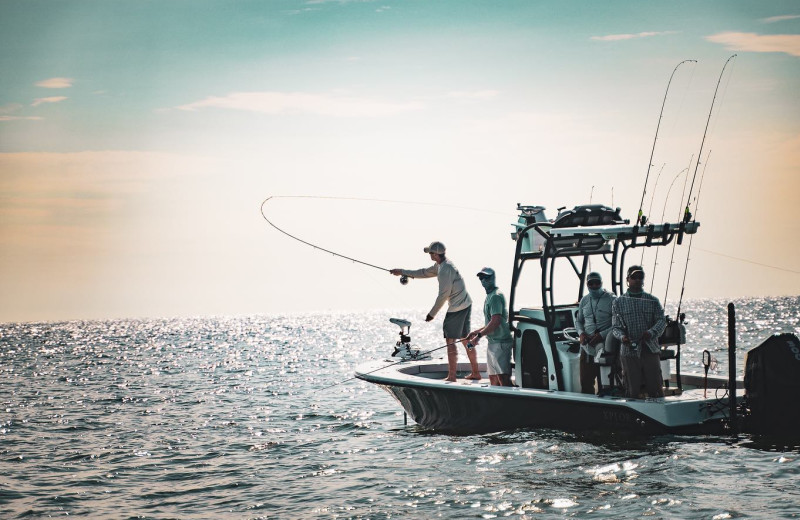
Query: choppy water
x,y
224,418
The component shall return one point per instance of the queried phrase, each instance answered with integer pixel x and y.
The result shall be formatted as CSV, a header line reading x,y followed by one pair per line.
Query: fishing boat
x,y
546,352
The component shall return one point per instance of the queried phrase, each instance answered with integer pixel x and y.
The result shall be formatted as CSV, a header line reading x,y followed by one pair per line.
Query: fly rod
x,y
404,278
655,139
687,216
309,243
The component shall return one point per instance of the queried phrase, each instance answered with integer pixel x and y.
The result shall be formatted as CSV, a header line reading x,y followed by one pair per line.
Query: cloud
x,y
20,118
9,108
619,37
752,42
71,189
474,94
302,103
53,99
783,18
56,83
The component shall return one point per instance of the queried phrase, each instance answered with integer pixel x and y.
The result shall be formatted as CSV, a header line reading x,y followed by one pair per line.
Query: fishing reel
x,y
403,281
403,348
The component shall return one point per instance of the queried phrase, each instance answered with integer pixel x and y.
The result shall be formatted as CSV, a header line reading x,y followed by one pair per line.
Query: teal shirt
x,y
496,304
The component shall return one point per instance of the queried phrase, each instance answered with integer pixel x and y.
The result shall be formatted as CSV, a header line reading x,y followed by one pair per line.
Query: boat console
x,y
546,355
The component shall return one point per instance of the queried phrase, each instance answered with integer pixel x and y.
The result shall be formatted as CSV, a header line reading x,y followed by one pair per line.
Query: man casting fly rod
x,y
459,306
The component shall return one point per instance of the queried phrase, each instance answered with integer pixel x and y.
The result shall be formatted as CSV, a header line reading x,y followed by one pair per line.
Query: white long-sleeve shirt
x,y
451,286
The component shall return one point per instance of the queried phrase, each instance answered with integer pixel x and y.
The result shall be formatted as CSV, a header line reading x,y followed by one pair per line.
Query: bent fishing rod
x,y
309,243
421,354
655,139
403,278
687,216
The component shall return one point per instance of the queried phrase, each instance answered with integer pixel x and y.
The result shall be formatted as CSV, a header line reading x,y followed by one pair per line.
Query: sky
x,y
138,141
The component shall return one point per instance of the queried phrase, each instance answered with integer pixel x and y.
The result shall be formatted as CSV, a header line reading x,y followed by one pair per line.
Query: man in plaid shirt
x,y
638,321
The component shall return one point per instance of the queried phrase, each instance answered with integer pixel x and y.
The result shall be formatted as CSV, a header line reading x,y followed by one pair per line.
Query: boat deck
x,y
434,372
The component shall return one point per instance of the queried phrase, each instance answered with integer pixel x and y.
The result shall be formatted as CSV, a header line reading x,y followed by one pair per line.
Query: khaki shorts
x,y
498,358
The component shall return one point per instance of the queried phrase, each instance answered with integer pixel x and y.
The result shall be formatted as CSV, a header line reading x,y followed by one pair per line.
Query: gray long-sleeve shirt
x,y
451,286
594,315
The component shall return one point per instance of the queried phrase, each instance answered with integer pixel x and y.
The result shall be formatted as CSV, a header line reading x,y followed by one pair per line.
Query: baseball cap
x,y
635,269
594,276
435,247
486,272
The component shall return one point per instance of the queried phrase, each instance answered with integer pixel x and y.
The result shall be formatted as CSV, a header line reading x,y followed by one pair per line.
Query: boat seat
x,y
674,334
666,353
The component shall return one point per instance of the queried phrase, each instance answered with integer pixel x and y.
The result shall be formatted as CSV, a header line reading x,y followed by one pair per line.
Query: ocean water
x,y
236,418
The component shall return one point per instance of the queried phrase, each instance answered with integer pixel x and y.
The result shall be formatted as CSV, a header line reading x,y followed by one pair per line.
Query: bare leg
x,y
472,355
452,360
504,379
494,380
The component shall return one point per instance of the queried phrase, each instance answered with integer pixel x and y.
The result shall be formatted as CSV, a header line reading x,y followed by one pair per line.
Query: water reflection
x,y
222,417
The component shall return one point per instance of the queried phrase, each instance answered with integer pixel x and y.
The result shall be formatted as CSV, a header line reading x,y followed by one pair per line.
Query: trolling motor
x,y
402,348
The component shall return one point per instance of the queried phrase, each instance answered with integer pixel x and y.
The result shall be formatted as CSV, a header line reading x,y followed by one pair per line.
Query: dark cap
x,y
594,276
635,269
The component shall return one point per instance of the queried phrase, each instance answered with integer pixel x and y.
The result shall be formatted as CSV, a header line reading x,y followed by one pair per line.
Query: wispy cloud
x,y
7,110
52,99
619,37
773,19
303,103
20,118
752,42
10,108
56,83
474,94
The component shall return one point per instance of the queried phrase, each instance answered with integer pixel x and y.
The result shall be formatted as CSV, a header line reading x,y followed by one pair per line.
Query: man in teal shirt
x,y
496,330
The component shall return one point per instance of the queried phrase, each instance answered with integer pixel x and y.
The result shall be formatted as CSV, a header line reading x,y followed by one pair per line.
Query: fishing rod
x,y
309,243
655,139
672,256
663,212
421,354
691,237
650,211
687,216
403,278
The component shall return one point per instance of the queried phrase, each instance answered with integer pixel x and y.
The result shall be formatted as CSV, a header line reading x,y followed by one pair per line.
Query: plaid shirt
x,y
632,316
